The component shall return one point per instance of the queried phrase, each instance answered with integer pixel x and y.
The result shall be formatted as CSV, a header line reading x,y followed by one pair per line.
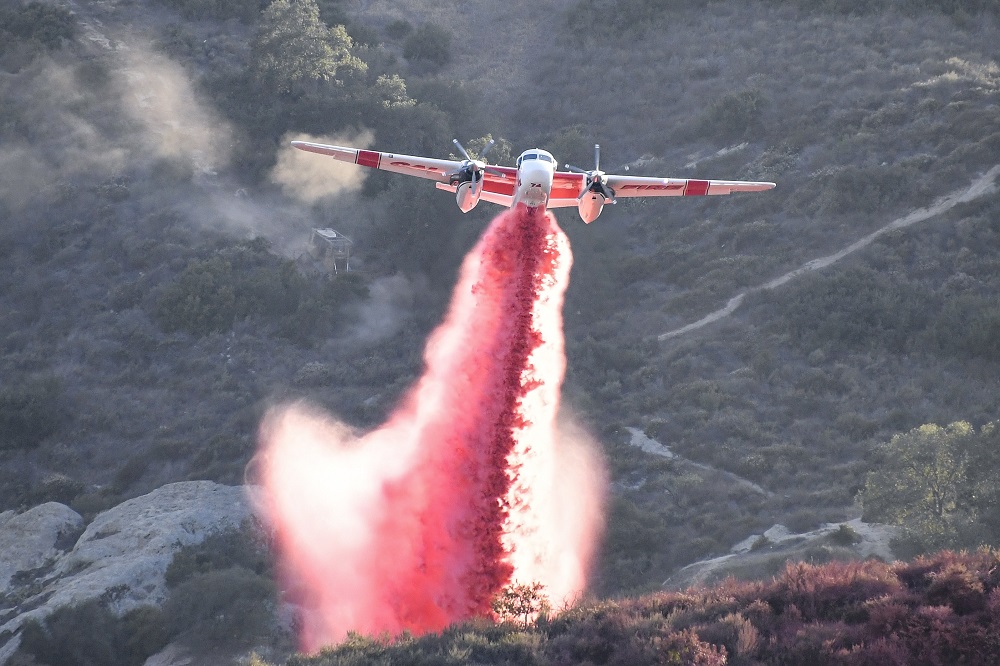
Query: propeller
x,y
595,180
472,170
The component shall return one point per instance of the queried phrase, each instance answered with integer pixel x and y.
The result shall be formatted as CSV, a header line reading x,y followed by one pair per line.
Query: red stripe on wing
x,y
562,177
499,186
696,188
560,191
368,158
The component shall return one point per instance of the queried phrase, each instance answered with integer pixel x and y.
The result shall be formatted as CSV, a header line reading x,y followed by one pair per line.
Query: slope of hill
x,y
938,610
151,308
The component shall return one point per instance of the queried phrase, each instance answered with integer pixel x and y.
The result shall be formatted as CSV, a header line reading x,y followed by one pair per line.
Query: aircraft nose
x,y
536,184
540,172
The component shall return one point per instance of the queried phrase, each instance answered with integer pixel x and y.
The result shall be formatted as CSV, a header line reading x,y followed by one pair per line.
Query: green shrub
x,y
244,10
920,483
625,16
856,309
130,473
735,116
845,535
317,314
240,547
243,281
145,633
89,633
30,412
56,488
430,43
968,326
202,301
954,8
46,24
226,607
89,504
854,189
398,28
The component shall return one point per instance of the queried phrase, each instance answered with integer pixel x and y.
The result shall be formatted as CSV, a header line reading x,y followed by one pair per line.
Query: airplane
x,y
534,182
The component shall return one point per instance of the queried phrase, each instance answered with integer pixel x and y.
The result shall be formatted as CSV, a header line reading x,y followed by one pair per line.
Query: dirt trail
x,y
982,185
640,440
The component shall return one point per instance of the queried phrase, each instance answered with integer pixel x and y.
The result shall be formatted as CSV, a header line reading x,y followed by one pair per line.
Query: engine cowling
x,y
590,206
467,194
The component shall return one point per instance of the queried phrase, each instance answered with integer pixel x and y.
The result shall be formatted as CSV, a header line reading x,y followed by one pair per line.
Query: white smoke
x,y
158,95
97,119
308,177
390,303
63,138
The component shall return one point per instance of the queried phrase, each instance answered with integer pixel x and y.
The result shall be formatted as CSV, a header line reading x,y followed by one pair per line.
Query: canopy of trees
x,y
939,484
294,45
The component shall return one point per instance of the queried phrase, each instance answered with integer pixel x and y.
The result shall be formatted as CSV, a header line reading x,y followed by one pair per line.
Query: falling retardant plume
x,y
470,485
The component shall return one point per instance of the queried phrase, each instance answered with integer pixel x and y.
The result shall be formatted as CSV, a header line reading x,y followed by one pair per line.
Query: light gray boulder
x,y
33,540
121,556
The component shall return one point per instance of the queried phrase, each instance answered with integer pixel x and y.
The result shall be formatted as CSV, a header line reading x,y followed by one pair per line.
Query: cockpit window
x,y
534,156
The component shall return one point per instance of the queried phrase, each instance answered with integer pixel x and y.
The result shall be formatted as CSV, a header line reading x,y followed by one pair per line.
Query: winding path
x,y
641,440
982,185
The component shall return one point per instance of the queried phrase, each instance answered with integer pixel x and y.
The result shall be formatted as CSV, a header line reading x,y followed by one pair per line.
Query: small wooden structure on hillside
x,y
330,251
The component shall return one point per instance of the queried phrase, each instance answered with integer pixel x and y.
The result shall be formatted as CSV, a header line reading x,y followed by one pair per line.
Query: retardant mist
x,y
470,485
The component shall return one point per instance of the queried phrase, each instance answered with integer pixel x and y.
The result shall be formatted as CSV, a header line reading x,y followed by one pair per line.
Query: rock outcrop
x,y
33,540
121,556
760,556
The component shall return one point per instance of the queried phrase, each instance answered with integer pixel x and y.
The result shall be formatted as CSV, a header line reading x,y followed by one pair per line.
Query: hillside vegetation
x,y
939,610
151,306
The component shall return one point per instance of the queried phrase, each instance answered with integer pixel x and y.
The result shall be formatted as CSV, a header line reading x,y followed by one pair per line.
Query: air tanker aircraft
x,y
535,182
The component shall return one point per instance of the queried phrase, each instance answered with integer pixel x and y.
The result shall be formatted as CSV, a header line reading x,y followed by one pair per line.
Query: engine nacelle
x,y
590,206
467,194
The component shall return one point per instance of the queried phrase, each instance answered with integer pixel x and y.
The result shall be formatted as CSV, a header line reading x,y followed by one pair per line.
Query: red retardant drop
x,y
470,485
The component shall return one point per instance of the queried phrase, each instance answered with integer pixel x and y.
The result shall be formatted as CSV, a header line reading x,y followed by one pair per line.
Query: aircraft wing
x,y
498,186
640,186
421,167
566,187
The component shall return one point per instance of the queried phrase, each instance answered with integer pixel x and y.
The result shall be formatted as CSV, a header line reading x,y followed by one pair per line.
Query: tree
x,y
921,483
294,45
520,603
500,153
983,490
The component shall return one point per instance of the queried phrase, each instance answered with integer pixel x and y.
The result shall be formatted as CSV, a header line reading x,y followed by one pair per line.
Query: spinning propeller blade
x,y
472,169
595,179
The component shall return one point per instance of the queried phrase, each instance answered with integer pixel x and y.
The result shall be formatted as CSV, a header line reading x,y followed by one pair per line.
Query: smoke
x,y
92,120
391,302
129,112
309,178
59,137
470,485
159,97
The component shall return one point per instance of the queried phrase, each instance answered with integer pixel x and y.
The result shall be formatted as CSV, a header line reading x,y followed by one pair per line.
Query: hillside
x,y
152,305
936,610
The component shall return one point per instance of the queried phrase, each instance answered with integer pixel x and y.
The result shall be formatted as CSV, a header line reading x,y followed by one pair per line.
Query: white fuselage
x,y
535,170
